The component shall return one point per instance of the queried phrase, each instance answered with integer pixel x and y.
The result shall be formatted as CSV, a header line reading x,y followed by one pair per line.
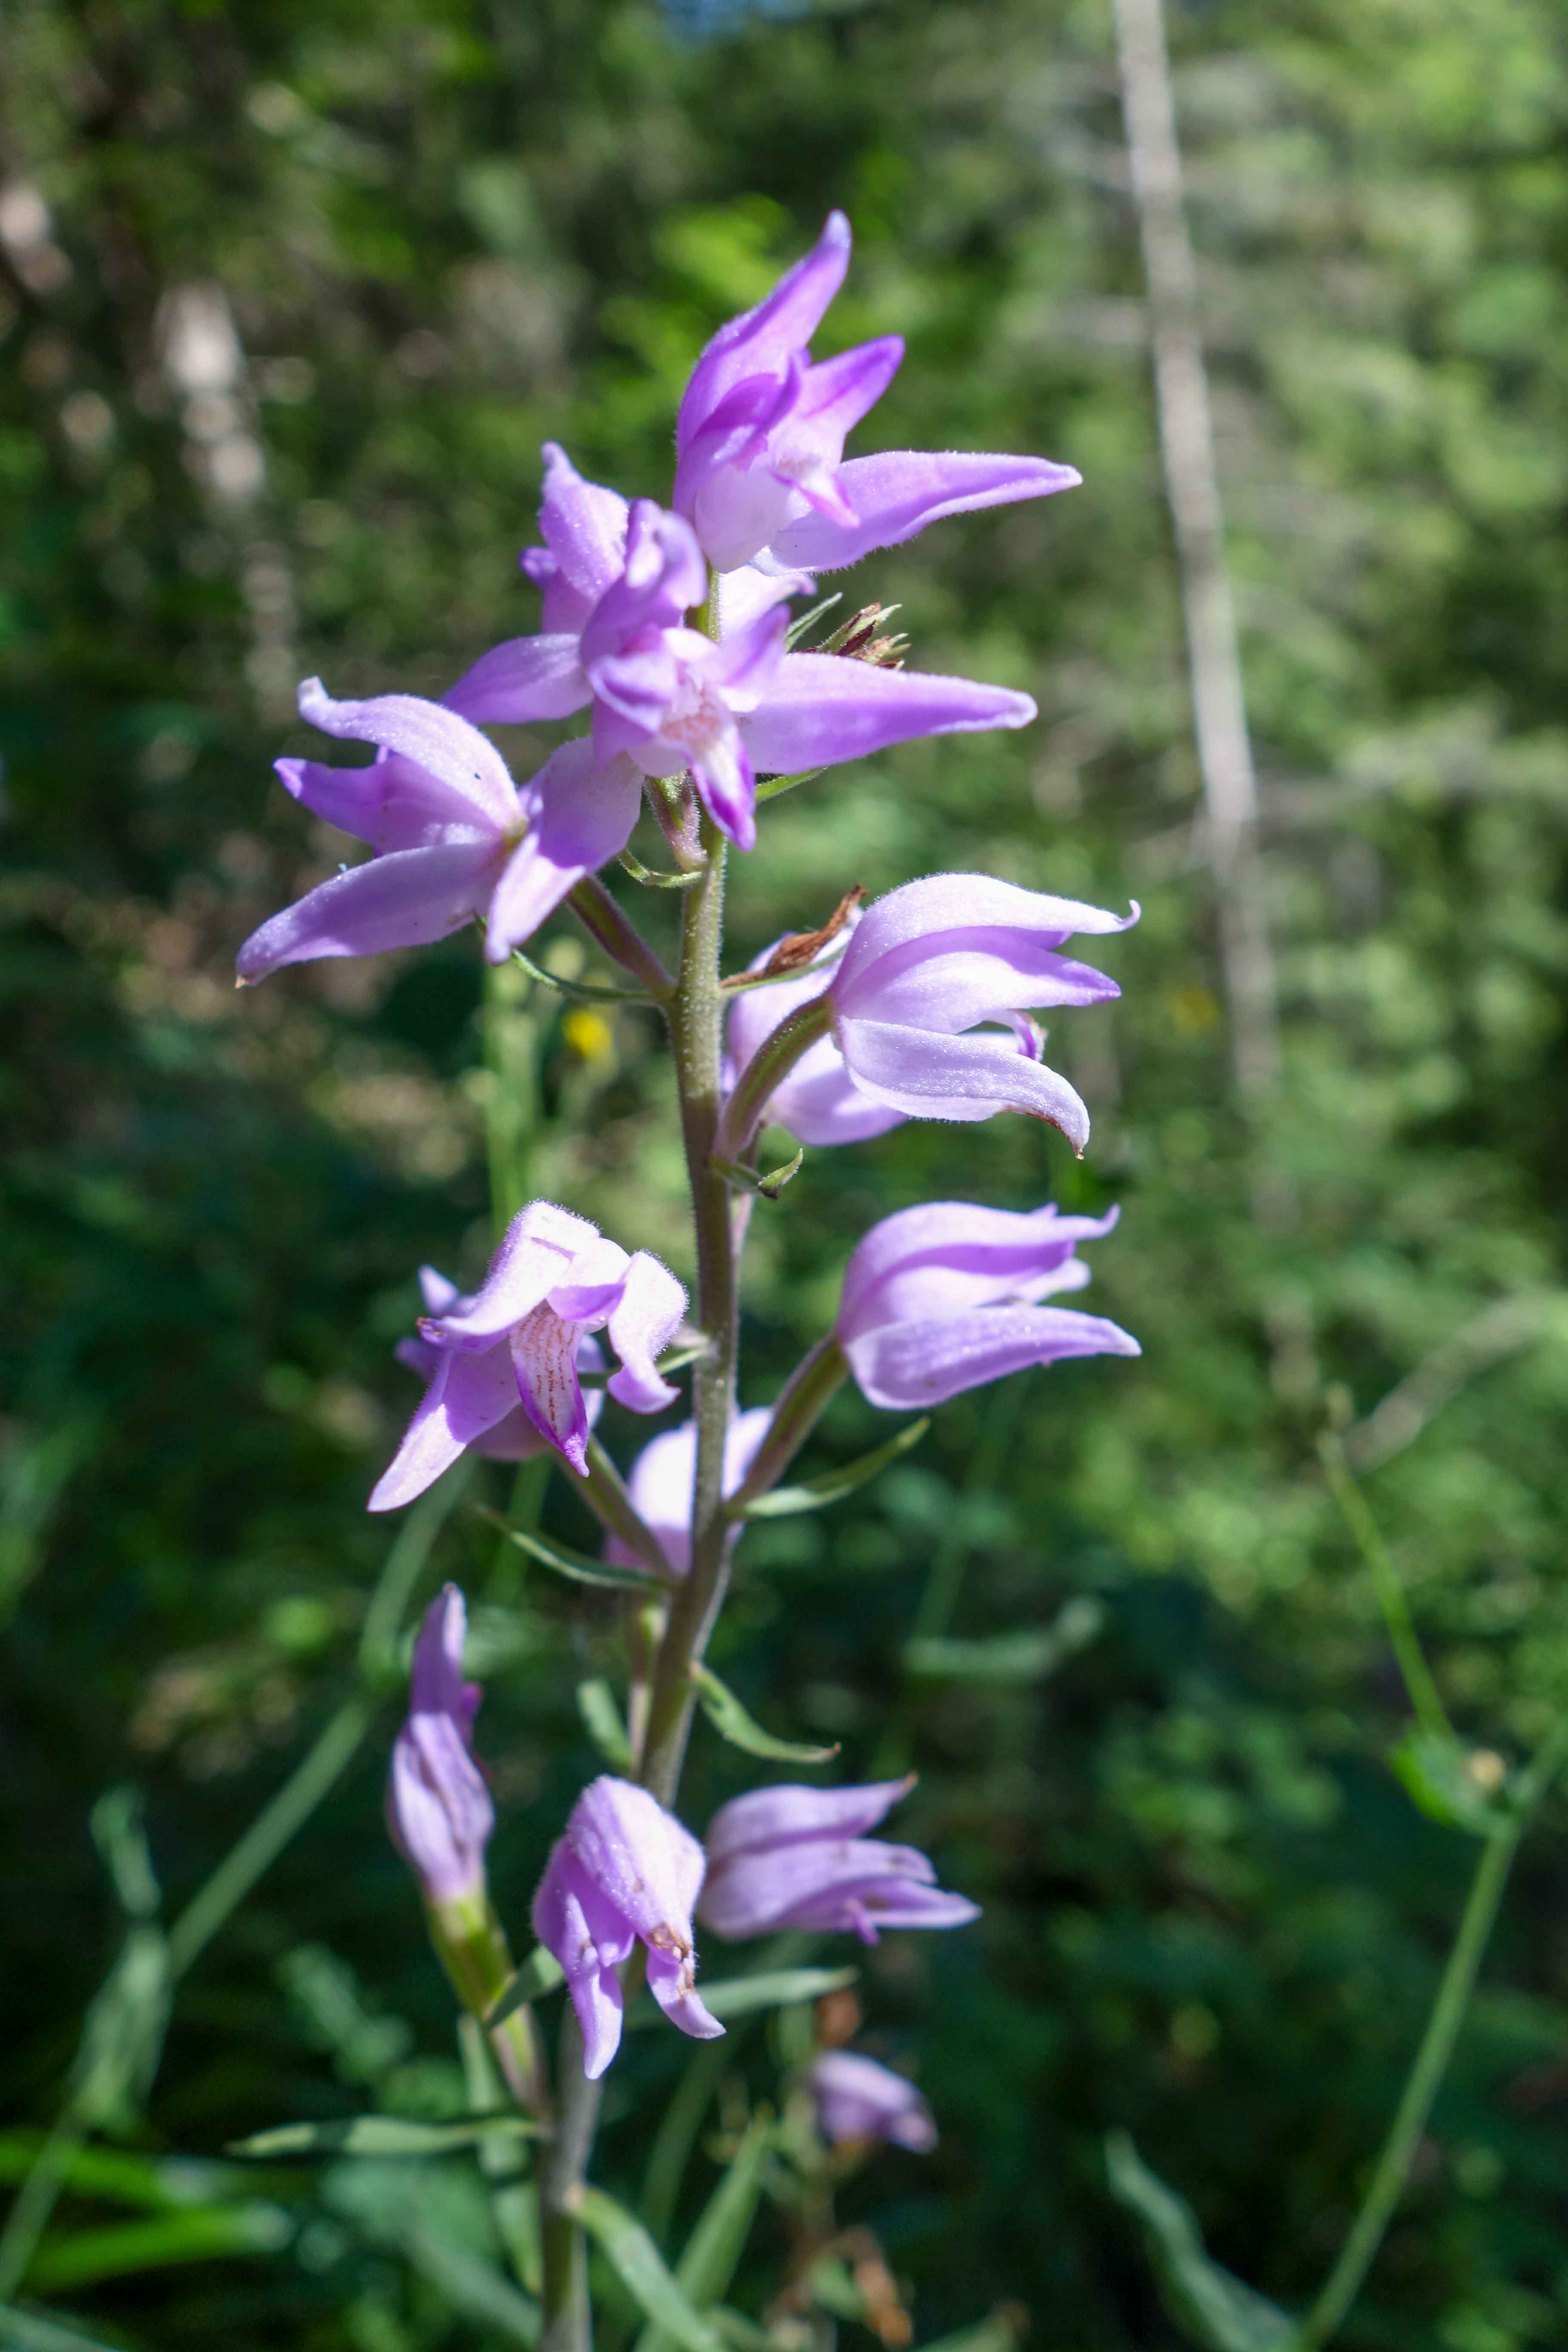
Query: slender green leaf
x,y
1213,2308
808,621
731,1722
381,2135
1450,1782
585,992
201,2234
714,2248
1026,1655
640,2267
785,1502
772,786
578,1565
652,880
29,2331
123,2037
540,1974
475,2286
118,2177
602,1719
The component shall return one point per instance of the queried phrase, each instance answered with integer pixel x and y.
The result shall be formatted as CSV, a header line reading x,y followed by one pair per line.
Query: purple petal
x,y
649,1866
467,1396
544,1359
896,493
927,1076
562,610
917,914
525,679
832,1885
535,1253
745,592
664,576
765,1818
858,2100
837,394
672,1981
640,1328
762,340
663,1477
907,1366
391,805
436,1682
947,1257
573,1918
580,815
585,527
438,1293
434,738
439,1808
403,901
822,708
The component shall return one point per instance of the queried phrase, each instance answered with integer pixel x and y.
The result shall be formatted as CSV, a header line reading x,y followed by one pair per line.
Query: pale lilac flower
x,y
945,1296
759,440
818,1099
554,1279
858,2100
452,836
513,1438
795,1857
626,1870
673,700
918,971
438,1809
662,1479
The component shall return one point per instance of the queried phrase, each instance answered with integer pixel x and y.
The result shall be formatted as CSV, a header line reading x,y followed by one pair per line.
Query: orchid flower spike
x,y
554,1278
796,1857
452,836
857,2101
759,440
670,700
945,1296
438,1809
899,1008
624,1871
662,1479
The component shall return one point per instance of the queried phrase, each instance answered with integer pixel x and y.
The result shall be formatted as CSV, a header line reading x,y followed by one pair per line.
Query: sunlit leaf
x,y
731,1722
580,1566
1026,1655
640,2267
1215,2309
1453,1784
381,2135
785,1502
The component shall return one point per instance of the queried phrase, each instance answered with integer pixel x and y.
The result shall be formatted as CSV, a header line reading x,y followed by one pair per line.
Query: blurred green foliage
x,y
437,233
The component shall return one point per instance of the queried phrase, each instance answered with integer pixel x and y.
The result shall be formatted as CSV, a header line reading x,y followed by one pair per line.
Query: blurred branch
x,y
1192,491
1498,1331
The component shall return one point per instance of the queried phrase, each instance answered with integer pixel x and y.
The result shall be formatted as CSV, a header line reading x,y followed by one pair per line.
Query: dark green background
x,y
447,233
